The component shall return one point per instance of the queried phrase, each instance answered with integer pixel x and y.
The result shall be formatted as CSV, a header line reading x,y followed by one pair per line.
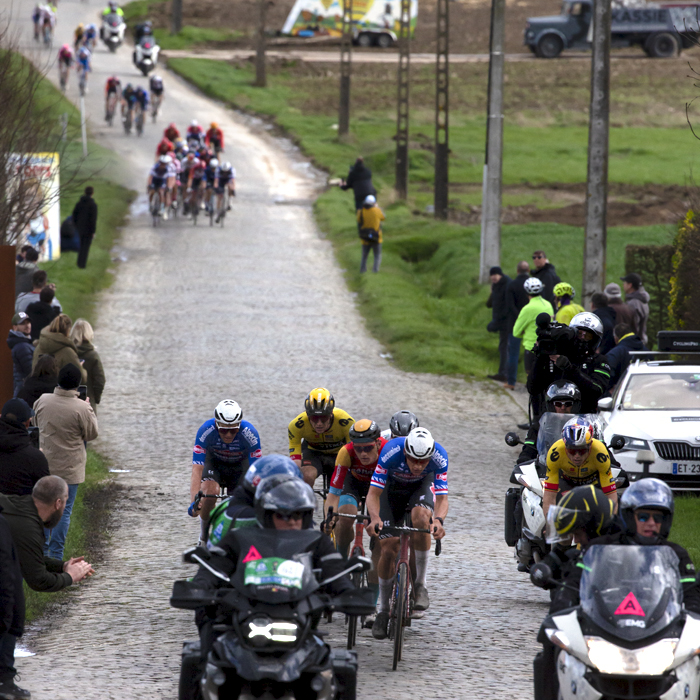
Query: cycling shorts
x,y
396,500
221,189
210,184
225,474
353,490
156,91
322,463
112,90
566,484
196,182
159,183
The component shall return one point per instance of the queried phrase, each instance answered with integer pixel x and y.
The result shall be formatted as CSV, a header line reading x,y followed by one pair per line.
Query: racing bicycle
x,y
82,83
63,69
127,120
222,200
155,105
157,206
111,108
138,119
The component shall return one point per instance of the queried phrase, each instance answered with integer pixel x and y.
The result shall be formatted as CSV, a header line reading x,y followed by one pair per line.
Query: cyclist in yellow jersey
x,y
578,460
317,434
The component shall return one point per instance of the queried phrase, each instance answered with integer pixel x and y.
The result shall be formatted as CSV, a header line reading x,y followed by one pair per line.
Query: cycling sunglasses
x,y
228,431
645,517
577,451
363,448
563,404
296,515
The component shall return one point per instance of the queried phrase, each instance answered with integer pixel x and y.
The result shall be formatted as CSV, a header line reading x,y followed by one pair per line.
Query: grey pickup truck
x,y
662,30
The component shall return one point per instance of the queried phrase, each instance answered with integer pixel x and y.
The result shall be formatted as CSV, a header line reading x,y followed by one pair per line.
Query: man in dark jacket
x,y
20,343
545,273
359,180
24,271
21,464
637,299
619,356
516,299
85,221
43,311
606,314
498,303
70,240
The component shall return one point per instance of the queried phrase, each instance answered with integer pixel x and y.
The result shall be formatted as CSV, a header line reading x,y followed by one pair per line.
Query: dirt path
x,y
259,311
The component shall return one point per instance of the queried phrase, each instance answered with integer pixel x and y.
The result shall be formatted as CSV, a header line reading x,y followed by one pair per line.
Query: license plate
x,y
686,468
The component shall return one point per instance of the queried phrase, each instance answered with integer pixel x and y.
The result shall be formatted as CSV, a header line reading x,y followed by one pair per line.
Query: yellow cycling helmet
x,y
564,289
319,402
583,507
214,125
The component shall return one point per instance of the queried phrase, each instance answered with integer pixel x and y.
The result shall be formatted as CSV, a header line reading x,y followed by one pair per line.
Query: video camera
x,y
554,338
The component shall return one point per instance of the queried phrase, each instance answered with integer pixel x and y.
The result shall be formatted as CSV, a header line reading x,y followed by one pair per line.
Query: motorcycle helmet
x,y
228,414
564,289
563,391
319,402
113,6
284,493
419,444
577,433
586,321
533,286
365,431
269,465
647,493
583,507
402,423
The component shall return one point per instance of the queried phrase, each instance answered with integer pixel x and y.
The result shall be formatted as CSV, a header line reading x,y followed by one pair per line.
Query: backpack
x,y
369,235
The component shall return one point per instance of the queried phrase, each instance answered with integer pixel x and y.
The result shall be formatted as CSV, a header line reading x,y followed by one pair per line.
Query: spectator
x,y
21,463
564,295
39,281
607,315
526,324
623,313
545,273
369,224
24,271
70,240
55,341
42,380
20,343
637,299
619,357
498,303
517,298
83,335
21,256
65,423
85,221
360,181
11,612
42,312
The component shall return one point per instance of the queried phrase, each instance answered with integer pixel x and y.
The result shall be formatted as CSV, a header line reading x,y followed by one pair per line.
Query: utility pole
x,y
442,78
493,162
176,17
598,137
345,70
260,63
401,183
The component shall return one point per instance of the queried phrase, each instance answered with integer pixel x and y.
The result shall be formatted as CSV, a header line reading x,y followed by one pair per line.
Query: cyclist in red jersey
x,y
171,133
164,147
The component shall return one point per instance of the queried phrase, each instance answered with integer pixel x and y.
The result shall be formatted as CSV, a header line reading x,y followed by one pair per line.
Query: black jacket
x,y
516,297
359,180
21,465
607,317
22,355
34,387
11,590
498,302
41,314
85,216
549,278
619,356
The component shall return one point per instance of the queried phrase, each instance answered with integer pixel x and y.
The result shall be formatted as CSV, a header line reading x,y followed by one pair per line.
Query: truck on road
x,y
662,30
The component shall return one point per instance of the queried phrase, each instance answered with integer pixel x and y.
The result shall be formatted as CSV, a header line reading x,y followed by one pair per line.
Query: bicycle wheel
x,y
399,611
360,581
194,208
139,123
155,207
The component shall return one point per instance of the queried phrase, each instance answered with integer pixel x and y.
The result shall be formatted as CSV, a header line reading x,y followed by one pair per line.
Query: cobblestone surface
x,y
258,311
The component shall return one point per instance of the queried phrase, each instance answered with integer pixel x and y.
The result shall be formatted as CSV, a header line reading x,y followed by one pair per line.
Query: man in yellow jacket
x,y
369,223
526,324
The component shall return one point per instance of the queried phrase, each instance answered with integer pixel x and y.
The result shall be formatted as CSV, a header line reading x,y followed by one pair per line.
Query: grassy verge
x,y
686,526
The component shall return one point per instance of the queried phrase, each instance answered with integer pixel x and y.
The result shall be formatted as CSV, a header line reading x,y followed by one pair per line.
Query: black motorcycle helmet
x,y
402,423
283,493
561,390
647,493
583,507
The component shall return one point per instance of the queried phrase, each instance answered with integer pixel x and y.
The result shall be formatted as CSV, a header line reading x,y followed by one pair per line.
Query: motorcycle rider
x,y
113,9
141,30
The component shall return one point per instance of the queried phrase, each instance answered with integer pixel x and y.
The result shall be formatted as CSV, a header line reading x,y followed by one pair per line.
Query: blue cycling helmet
x,y
269,466
577,433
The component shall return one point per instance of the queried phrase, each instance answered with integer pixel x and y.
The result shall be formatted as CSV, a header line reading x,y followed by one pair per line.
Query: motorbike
x,y
524,514
112,31
630,636
146,54
265,642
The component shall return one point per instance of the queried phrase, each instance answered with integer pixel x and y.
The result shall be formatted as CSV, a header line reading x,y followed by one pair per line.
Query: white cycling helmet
x,y
166,159
194,123
228,414
533,286
419,444
370,200
226,166
214,163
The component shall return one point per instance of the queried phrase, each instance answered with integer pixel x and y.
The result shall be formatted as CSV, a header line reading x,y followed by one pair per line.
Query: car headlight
x,y
633,444
648,661
262,630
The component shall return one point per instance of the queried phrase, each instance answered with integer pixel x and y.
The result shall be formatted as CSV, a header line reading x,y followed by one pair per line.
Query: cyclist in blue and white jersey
x,y
141,96
411,475
83,57
225,178
224,448
209,180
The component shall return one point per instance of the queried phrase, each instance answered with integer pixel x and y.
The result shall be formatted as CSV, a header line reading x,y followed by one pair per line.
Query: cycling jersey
x,y
393,470
156,86
237,511
347,460
142,98
113,86
209,175
329,442
595,468
225,177
65,56
215,136
245,444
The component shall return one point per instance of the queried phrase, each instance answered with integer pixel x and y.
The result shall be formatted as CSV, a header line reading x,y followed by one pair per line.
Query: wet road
x,y
258,311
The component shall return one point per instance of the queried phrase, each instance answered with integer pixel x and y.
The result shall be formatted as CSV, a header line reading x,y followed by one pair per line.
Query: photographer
x,y
567,352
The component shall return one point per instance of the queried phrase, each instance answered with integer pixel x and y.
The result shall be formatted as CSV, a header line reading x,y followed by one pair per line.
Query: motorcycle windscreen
x,y
631,591
551,425
113,20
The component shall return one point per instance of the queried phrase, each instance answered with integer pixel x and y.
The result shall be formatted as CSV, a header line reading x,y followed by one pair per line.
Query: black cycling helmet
x,y
319,402
284,493
561,390
647,493
364,431
266,466
583,507
402,423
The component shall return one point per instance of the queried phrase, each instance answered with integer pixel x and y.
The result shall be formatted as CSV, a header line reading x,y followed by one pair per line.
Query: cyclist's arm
x,y
551,482
607,482
295,432
441,508
372,502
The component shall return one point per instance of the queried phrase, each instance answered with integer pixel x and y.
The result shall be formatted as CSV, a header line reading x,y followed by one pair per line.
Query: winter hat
x,y
613,290
495,270
69,377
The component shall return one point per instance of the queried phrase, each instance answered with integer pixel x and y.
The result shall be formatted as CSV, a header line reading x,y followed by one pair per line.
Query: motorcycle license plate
x,y
686,468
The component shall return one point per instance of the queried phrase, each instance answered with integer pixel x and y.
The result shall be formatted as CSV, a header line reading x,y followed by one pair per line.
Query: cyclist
x,y
113,90
214,138
157,90
411,475
164,147
37,16
225,447
317,434
195,134
78,36
209,180
400,425
143,29
113,9
141,96
192,175
83,57
578,459
238,511
128,98
225,179
564,305
65,61
90,36
158,179
48,19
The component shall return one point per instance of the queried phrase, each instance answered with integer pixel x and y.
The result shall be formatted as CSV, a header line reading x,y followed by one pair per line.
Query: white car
x,y
656,407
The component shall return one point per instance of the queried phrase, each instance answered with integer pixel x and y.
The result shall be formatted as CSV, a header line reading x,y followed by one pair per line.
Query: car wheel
x,y
384,41
364,40
549,46
661,45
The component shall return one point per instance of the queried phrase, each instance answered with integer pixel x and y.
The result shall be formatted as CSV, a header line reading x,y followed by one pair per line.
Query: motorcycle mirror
x,y
512,439
541,574
356,601
366,562
189,554
186,596
617,442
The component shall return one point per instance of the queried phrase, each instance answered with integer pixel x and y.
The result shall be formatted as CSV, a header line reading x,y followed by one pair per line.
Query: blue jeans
x,y
513,356
56,538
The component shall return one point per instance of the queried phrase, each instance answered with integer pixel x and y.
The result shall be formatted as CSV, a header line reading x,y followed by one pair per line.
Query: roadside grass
x,y
686,526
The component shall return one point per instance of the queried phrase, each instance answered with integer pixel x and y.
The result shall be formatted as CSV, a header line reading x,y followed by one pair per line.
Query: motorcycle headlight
x,y
648,661
633,443
261,631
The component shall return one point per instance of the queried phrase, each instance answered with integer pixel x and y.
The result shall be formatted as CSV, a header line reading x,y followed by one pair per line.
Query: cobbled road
x,y
258,311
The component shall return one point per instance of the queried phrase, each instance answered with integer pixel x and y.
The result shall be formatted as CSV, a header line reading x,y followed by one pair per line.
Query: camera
x,y
33,436
554,338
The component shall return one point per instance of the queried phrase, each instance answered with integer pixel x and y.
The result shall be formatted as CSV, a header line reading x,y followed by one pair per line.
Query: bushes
x,y
684,310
